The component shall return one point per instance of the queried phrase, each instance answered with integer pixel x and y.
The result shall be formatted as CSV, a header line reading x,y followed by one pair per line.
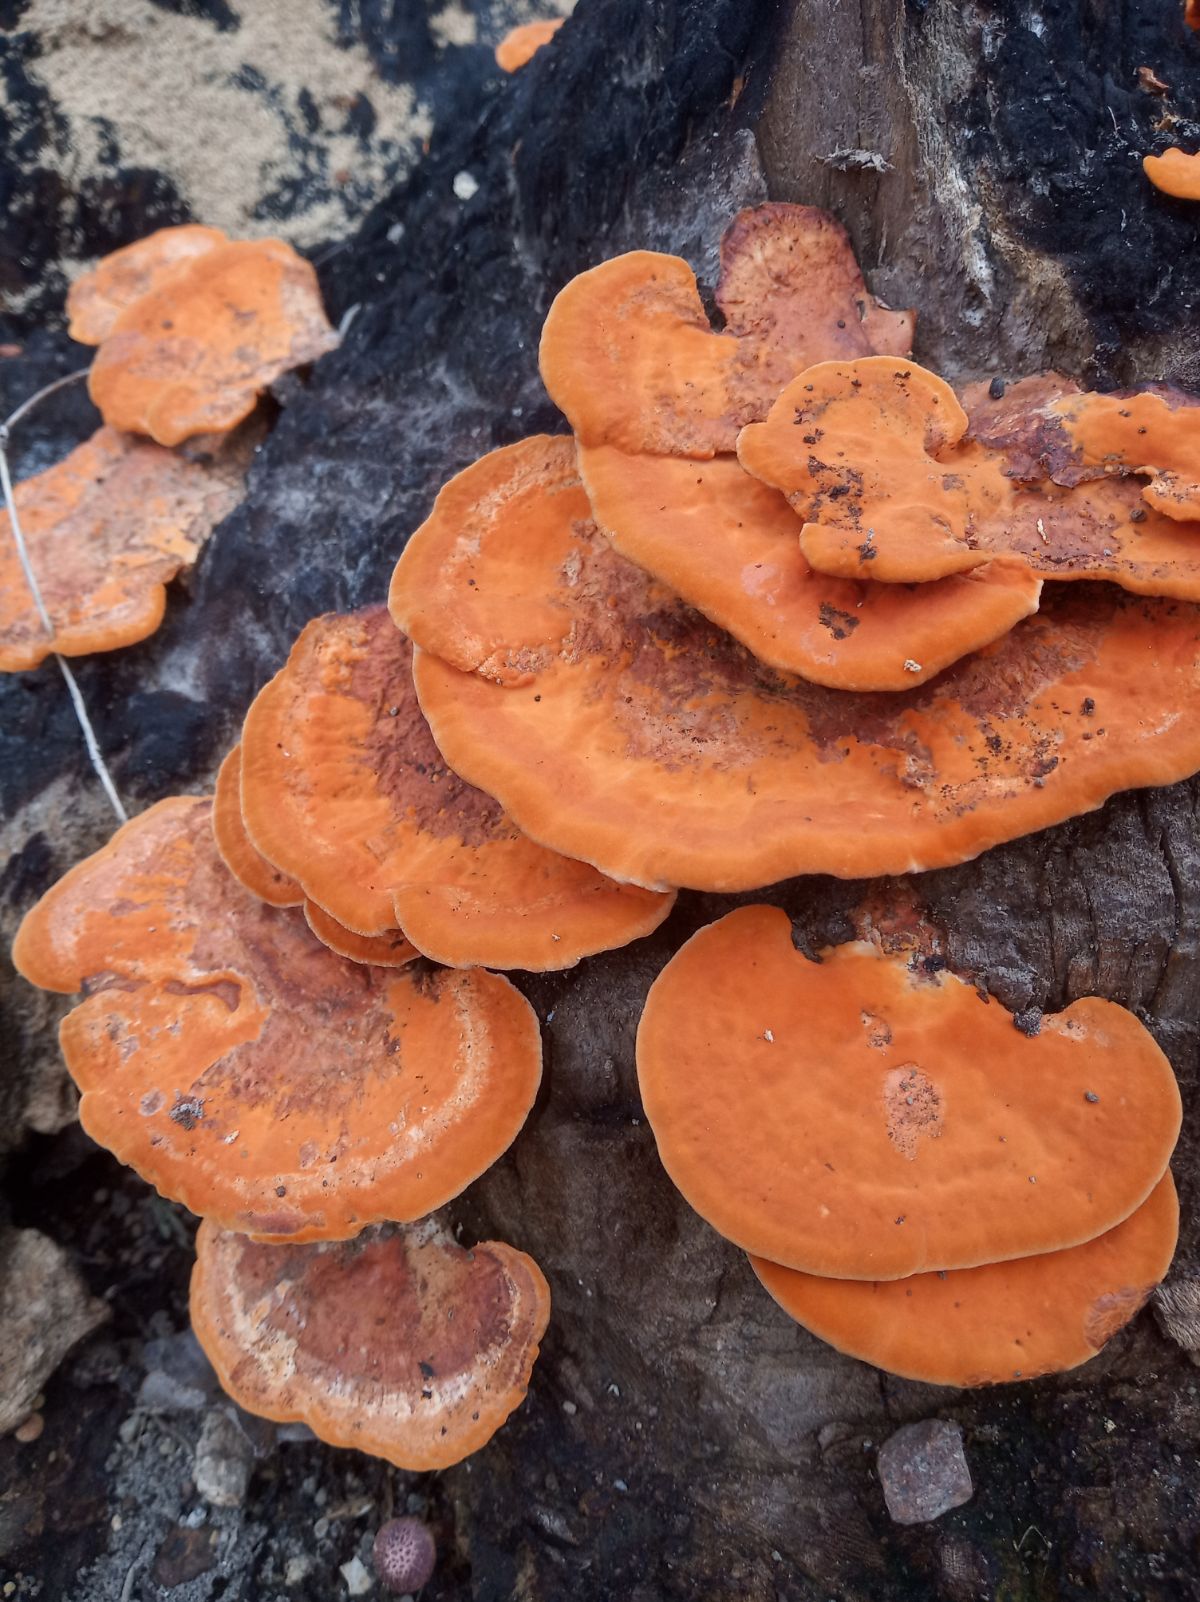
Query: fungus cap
x,y
642,739
98,296
399,1343
192,355
862,1118
628,354
1151,433
248,865
522,43
246,1070
727,544
392,949
344,789
107,528
1002,1321
1175,172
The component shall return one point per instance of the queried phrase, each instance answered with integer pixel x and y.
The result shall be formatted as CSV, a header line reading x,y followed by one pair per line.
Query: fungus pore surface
x,y
862,1118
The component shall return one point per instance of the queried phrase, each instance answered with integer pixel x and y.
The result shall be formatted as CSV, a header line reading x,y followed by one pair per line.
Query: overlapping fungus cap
x,y
98,297
894,481
629,355
1003,1321
193,354
399,1343
861,1118
343,789
1175,172
251,869
247,1071
107,528
629,732
522,43
727,544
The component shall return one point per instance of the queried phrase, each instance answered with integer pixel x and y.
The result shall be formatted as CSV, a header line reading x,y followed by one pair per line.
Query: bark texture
x,y
683,1439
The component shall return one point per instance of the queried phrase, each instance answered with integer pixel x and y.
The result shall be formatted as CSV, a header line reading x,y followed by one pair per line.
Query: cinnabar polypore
x,y
862,1118
247,1071
522,43
630,357
398,1343
1176,172
99,296
193,354
344,789
1002,1321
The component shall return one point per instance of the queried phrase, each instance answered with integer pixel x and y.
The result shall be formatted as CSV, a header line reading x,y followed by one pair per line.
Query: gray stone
x,y
44,1309
179,1378
923,1471
224,1460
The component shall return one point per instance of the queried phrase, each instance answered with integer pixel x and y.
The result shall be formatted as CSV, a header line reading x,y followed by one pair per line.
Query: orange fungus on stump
x,y
1175,172
344,789
248,866
1002,1321
246,1070
629,355
631,733
193,355
399,1343
861,1118
522,43
98,297
107,528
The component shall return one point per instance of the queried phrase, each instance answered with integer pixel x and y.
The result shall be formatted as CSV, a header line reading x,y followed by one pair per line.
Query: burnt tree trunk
x,y
683,1439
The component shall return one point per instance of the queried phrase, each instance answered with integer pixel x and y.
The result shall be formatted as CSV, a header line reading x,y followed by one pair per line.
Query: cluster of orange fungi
x,y
783,603
190,328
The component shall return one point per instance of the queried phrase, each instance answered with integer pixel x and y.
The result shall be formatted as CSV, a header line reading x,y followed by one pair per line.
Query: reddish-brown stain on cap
x,y
247,1071
629,355
344,789
399,1343
98,297
107,529
192,355
1002,1321
863,1118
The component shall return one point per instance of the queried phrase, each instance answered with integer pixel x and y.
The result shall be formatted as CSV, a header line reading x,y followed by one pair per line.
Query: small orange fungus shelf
x,y
861,1118
107,529
399,1343
99,296
629,732
193,354
1176,172
247,1071
1004,1321
522,43
629,355
344,790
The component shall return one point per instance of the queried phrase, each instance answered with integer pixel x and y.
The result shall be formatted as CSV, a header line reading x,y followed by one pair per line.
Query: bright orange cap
x,y
107,528
728,545
248,1072
99,296
628,354
344,790
642,739
861,1118
523,42
1175,172
1153,434
192,355
399,1343
248,866
1004,1321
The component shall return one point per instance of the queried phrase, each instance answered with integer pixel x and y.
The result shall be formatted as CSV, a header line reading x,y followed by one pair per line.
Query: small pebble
x,y
923,1471
465,186
570,1409
30,1429
359,1579
1090,1095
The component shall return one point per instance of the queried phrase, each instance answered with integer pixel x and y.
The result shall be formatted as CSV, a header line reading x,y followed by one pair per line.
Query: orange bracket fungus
x,y
629,732
107,528
1175,172
888,1121
98,297
399,1343
522,43
894,481
344,790
193,354
629,356
239,1065
1003,1321
727,545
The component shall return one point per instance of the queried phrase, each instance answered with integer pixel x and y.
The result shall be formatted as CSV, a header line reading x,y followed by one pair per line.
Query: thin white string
x,y
89,734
